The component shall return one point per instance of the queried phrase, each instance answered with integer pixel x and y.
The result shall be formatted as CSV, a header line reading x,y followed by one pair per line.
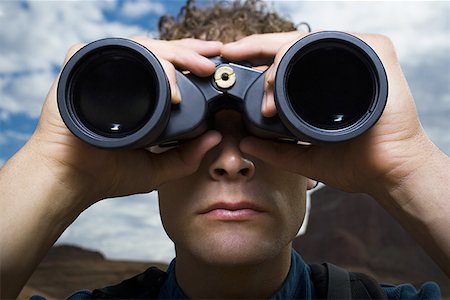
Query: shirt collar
x,y
297,284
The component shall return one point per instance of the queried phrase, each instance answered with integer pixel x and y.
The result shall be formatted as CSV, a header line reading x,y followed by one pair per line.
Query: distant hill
x,y
67,269
353,231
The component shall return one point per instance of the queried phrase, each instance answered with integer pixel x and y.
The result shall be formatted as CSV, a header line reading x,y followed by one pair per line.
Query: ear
x,y
311,184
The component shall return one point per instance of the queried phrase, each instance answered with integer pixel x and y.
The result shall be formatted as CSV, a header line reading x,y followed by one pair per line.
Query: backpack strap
x,y
143,286
333,282
338,283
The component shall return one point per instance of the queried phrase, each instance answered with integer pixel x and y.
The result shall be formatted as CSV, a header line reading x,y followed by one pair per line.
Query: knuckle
x,y
188,41
72,50
386,44
139,38
269,81
383,39
142,39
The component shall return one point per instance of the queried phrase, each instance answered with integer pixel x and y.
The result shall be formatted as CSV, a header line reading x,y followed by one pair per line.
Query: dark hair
x,y
223,21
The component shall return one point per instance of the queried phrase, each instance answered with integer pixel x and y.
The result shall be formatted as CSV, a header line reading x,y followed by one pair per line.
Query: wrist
x,y
36,208
63,163
419,202
53,188
411,187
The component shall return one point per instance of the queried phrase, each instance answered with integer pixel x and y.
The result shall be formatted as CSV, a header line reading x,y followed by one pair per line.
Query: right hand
x,y
96,173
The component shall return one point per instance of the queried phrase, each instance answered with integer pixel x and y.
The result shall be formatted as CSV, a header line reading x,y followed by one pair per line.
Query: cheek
x,y
292,203
173,206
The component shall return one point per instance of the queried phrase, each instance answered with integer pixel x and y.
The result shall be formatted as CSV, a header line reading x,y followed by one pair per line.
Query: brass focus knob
x,y
225,77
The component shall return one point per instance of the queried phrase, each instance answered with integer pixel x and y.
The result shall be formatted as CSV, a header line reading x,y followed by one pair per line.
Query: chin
x,y
232,249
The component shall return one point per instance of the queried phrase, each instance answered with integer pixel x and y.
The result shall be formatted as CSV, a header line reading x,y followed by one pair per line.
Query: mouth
x,y
236,211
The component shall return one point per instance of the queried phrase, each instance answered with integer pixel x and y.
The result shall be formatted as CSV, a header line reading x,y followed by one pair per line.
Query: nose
x,y
230,164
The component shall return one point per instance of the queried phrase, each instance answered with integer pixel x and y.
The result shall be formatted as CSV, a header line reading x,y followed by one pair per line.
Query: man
x,y
232,203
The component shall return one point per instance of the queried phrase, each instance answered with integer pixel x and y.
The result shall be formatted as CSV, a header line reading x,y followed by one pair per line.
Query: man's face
x,y
235,209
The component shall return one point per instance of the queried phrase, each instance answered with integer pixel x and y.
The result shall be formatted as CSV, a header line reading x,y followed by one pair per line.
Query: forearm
x,y
36,207
420,201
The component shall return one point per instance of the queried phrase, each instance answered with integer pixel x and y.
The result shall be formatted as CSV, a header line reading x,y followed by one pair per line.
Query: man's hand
x,y
357,164
102,173
55,176
394,161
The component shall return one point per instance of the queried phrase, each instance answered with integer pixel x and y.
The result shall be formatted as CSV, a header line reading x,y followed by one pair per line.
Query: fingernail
x,y
176,95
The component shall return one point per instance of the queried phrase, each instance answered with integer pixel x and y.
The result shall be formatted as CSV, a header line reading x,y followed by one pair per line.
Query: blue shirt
x,y
297,285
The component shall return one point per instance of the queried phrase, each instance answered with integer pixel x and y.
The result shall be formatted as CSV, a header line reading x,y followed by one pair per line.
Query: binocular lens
x,y
114,92
330,87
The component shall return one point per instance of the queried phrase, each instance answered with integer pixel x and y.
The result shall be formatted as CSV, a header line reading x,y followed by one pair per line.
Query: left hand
x,y
379,159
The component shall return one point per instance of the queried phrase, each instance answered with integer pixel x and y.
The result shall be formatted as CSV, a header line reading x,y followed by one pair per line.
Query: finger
x,y
72,51
268,108
181,56
169,69
190,60
205,48
182,161
294,158
258,45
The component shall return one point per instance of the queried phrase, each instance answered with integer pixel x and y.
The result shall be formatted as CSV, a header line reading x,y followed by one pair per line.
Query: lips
x,y
232,211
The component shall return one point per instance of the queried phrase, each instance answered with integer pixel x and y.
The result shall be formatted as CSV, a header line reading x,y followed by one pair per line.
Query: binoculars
x,y
329,87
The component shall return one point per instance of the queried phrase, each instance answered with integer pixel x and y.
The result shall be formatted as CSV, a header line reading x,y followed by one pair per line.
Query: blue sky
x,y
34,37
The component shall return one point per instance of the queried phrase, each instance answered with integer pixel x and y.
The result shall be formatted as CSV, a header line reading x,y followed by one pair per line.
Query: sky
x,y
35,36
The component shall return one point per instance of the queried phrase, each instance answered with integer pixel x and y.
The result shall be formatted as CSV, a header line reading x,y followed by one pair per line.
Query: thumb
x,y
290,157
182,161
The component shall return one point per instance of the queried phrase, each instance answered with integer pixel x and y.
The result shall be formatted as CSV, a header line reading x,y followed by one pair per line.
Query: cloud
x,y
7,135
135,9
123,228
35,40
418,29
25,93
36,36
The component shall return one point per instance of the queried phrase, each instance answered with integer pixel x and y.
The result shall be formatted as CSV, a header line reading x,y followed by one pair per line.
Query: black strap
x,y
332,282
338,283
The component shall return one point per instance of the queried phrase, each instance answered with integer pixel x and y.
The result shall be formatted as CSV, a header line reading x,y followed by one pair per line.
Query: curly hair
x,y
223,21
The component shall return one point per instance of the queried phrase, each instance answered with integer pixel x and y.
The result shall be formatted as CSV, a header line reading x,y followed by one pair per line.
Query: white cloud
x,y
25,93
140,8
34,42
418,29
123,228
7,135
35,39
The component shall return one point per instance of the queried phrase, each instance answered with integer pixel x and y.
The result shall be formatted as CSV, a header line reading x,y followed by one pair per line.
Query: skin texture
x,y
54,177
241,246
395,161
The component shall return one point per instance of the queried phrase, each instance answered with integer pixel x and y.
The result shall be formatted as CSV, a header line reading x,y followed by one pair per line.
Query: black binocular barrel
x,y
330,87
113,93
